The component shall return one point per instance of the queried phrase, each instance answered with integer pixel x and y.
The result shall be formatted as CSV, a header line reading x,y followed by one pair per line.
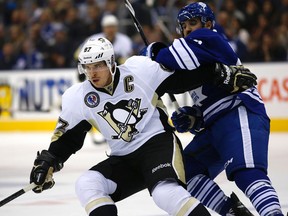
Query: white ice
x,y
18,151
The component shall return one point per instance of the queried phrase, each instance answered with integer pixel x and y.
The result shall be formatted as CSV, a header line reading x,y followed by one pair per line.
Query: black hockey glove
x,y
188,119
234,79
44,166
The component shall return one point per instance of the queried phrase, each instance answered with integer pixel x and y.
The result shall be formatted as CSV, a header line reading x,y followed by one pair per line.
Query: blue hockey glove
x,y
234,78
152,49
188,119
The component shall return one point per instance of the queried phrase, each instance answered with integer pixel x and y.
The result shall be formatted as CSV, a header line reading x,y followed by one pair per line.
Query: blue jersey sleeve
x,y
202,46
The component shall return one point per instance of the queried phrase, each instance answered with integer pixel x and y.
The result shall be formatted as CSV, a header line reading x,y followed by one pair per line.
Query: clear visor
x,y
96,66
81,68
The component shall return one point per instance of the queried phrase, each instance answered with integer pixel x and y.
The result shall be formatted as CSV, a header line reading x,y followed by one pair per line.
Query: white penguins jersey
x,y
128,116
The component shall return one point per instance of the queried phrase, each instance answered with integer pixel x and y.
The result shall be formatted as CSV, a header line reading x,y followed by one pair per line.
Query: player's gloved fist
x,y
44,166
152,50
187,119
234,78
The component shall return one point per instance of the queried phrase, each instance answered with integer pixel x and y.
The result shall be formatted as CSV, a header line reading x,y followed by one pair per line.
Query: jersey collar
x,y
111,88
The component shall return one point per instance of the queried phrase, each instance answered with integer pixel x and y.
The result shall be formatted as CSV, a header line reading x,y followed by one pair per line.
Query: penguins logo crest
x,y
123,118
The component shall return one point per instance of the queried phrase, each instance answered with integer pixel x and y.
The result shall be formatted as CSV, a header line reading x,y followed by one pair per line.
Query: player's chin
x,y
97,84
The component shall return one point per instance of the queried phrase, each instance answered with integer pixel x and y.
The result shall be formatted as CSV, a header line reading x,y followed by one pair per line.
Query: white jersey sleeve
x,y
72,108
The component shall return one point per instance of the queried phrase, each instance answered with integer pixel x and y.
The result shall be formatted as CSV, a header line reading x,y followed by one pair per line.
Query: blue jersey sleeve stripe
x,y
246,137
190,53
219,103
227,104
254,96
177,57
183,43
185,57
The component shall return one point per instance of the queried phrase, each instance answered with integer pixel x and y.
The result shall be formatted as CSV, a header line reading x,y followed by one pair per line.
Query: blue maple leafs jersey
x,y
205,46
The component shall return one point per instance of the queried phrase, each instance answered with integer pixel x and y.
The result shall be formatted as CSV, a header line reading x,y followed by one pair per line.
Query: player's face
x,y
191,25
99,74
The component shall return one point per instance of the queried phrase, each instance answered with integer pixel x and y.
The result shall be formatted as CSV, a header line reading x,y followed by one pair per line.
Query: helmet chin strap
x,y
112,70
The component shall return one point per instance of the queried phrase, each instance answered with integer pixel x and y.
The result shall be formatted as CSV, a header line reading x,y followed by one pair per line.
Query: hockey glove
x,y
188,119
152,50
44,166
234,79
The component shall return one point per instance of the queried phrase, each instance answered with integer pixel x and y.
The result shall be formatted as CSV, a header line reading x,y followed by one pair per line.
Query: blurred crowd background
x,y
40,34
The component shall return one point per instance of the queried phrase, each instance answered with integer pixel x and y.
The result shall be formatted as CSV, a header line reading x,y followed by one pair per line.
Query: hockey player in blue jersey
x,y
231,129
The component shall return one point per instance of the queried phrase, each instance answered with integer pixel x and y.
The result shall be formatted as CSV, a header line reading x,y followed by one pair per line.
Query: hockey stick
x,y
141,32
17,194
136,22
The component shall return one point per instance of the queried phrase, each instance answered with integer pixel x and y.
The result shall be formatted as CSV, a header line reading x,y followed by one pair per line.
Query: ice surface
x,y
18,151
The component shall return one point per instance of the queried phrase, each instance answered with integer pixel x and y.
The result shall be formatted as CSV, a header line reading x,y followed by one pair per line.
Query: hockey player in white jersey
x,y
123,103
231,130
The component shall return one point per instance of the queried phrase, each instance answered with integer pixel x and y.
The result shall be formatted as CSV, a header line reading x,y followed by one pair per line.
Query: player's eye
x,y
193,22
183,25
100,65
96,66
190,22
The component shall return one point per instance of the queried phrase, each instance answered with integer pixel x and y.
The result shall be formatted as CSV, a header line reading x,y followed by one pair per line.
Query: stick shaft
x,y
141,32
17,194
136,22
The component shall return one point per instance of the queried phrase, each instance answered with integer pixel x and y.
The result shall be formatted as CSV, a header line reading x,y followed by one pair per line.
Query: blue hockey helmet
x,y
196,9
